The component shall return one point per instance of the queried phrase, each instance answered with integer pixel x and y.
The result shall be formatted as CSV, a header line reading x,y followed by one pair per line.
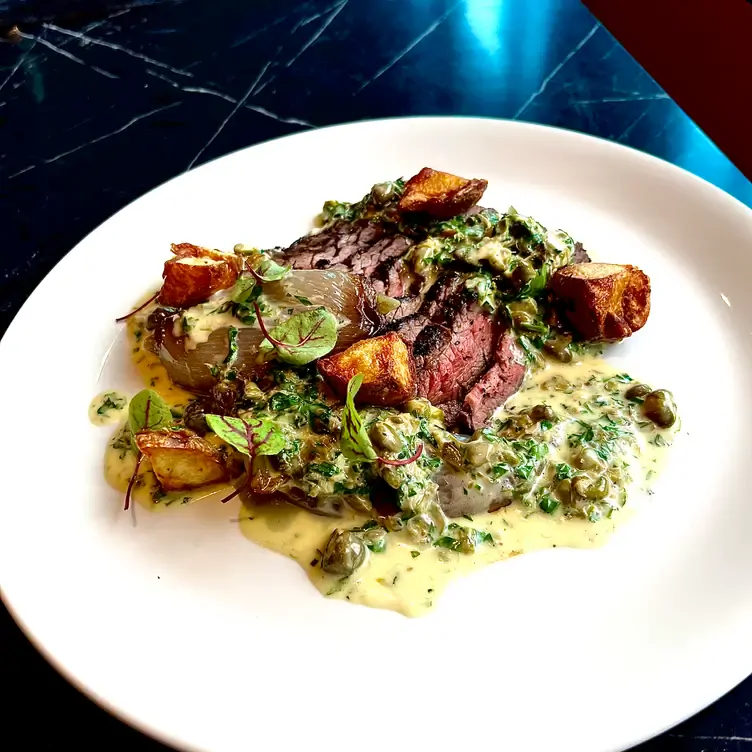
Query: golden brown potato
x,y
195,274
440,194
182,460
602,301
386,364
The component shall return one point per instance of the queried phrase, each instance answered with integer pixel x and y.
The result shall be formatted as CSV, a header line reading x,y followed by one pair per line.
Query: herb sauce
x,y
400,572
108,408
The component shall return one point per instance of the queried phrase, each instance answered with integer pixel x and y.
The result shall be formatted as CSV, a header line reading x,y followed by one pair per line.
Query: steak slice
x,y
448,361
371,249
496,385
453,342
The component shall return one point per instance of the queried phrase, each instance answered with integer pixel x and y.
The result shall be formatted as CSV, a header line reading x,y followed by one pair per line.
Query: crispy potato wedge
x,y
195,274
440,194
182,460
386,364
602,301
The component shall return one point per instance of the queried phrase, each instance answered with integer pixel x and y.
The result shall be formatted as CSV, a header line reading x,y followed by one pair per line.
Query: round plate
x,y
185,629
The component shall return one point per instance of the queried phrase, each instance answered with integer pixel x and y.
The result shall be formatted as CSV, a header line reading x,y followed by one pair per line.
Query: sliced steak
x,y
453,342
408,305
448,361
496,385
370,249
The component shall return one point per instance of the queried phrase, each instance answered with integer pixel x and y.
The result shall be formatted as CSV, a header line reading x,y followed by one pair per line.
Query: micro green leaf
x,y
264,268
148,412
354,441
304,337
253,438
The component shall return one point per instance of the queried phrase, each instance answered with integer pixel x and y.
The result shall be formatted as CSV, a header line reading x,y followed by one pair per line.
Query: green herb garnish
x,y
264,268
547,504
147,412
245,293
232,341
354,441
327,469
302,338
563,470
111,401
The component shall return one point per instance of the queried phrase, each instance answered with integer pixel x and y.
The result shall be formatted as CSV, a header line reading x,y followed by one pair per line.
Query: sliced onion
x,y
349,297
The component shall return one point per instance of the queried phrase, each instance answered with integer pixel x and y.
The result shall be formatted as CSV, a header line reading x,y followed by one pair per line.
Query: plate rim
x,y
709,697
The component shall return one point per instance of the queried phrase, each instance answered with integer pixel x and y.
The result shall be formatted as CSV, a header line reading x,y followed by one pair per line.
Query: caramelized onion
x,y
349,297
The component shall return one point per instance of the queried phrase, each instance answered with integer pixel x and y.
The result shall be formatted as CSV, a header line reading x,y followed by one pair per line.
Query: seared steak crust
x,y
370,249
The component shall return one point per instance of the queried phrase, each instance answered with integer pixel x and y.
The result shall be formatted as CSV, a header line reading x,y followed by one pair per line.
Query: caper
x,y
466,541
581,485
194,417
452,456
524,313
394,523
586,460
558,346
516,426
508,455
359,503
375,538
476,452
385,304
381,193
598,489
637,392
524,272
159,317
563,490
659,407
419,528
392,476
528,305
422,408
345,551
560,384
385,437
541,412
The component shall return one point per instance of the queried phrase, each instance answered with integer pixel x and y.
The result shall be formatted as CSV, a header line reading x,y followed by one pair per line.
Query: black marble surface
x,y
96,111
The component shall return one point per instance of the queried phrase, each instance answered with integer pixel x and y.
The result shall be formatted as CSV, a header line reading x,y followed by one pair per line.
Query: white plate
x,y
185,629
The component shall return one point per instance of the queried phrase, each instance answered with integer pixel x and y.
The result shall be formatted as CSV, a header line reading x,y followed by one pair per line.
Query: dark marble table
x,y
95,112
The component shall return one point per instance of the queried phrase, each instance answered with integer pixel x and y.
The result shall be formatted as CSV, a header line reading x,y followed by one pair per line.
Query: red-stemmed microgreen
x,y
302,338
263,268
140,308
146,412
250,437
354,441
408,461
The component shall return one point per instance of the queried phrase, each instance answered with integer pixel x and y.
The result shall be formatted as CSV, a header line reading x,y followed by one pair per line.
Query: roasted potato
x,y
195,274
602,301
182,460
386,364
440,194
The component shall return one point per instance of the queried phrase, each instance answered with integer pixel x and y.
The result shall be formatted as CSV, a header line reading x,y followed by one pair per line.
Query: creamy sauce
x,y
150,367
645,450
408,577
108,408
398,579
198,322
